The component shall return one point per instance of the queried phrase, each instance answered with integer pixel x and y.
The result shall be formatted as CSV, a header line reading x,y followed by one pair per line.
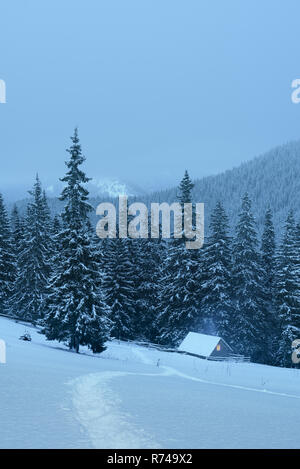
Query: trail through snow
x,y
98,408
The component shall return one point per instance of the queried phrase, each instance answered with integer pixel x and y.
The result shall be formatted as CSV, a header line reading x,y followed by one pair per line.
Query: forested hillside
x,y
242,285
272,179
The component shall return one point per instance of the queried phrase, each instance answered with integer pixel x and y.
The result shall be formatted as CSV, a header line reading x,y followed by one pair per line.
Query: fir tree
x,y
147,254
34,259
185,189
179,298
247,286
216,305
76,310
288,293
56,225
7,263
178,305
118,286
16,229
268,256
169,300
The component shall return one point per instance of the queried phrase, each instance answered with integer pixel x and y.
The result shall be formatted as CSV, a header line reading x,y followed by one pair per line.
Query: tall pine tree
x,y
7,261
76,312
288,293
34,258
179,300
216,304
268,257
118,286
247,286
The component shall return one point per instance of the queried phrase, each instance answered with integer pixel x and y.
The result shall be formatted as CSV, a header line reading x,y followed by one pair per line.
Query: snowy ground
x,y
52,398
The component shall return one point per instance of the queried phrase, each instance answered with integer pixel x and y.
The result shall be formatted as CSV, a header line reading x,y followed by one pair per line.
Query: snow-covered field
x,y
52,398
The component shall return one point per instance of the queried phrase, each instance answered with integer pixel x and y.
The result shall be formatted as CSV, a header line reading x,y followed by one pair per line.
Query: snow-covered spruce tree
x,y
169,299
136,256
55,229
268,257
179,297
118,286
216,305
75,309
7,261
288,305
16,223
144,254
185,189
56,225
17,229
178,300
297,268
47,220
148,254
34,259
100,329
247,286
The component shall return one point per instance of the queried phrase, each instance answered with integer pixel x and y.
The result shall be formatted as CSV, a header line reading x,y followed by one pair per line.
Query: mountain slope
x,y
272,179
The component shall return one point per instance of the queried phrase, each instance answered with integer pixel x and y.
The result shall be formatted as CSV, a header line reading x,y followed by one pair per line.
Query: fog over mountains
x,y
272,179
106,187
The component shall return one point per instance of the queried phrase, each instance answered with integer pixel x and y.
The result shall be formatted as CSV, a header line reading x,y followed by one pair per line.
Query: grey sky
x,y
155,86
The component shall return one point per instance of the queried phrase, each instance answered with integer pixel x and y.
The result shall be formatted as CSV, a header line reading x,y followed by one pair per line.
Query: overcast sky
x,y
155,86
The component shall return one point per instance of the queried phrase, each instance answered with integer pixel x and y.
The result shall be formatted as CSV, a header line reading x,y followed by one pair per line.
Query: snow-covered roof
x,y
200,344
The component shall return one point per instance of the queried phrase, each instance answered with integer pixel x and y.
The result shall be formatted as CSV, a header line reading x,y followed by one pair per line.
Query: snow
x,y
199,344
134,397
96,403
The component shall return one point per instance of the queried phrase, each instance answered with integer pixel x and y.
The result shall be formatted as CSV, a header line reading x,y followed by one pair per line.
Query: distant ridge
x,y
272,179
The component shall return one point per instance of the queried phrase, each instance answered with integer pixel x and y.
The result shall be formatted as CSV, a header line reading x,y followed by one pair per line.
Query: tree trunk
x,y
76,342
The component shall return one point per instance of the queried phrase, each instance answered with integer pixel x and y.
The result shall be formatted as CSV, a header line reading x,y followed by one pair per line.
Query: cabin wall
x,y
225,350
